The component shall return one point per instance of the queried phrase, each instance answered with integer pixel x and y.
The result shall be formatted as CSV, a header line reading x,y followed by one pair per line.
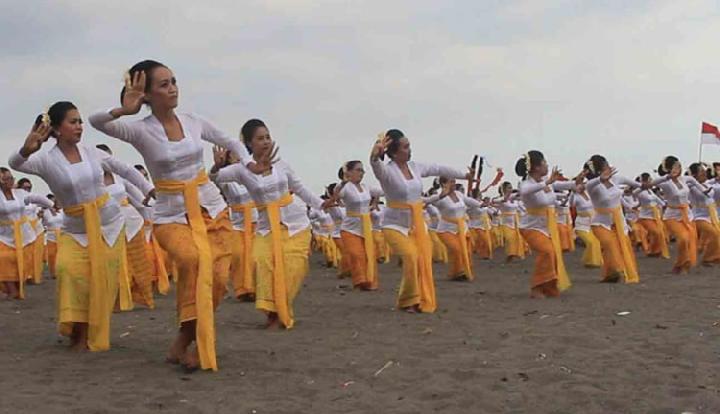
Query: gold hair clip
x,y
528,164
45,117
590,166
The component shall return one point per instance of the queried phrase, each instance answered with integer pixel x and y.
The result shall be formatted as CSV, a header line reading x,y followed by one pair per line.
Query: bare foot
x,y
272,321
191,361
176,353
412,309
79,347
537,293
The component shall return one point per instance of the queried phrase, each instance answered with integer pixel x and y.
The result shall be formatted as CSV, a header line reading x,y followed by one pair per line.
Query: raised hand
x,y
219,156
134,96
380,146
37,136
580,178
148,197
607,174
265,160
554,175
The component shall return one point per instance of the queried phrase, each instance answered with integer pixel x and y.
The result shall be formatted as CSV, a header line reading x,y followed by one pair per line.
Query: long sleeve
x,y
626,181
235,173
116,128
38,199
563,185
135,196
431,199
436,170
124,170
211,133
297,187
527,187
379,169
471,202
591,184
31,165
376,192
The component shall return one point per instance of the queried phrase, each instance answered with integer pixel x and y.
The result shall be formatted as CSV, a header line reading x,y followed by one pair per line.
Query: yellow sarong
x,y
462,234
246,210
280,290
423,244
629,261
19,250
563,280
205,330
369,244
101,299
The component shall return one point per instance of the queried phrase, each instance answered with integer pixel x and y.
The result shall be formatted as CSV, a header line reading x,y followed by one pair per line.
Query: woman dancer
x,y
356,230
192,222
650,218
90,248
539,225
16,234
404,226
282,238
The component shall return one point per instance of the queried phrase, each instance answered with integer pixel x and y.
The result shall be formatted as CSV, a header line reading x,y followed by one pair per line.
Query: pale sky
x,y
629,80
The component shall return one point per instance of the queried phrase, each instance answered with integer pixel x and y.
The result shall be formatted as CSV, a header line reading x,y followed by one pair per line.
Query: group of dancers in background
x,y
115,235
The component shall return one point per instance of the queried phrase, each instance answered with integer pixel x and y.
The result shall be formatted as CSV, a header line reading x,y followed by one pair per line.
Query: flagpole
x,y
700,151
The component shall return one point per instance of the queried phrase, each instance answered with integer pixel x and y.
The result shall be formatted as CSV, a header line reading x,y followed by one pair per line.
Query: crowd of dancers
x,y
115,235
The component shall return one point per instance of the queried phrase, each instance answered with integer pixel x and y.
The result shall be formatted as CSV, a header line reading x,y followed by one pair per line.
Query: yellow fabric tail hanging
x,y
629,261
657,216
563,280
101,302
19,250
205,330
246,210
423,243
462,234
685,211
369,243
280,294
488,233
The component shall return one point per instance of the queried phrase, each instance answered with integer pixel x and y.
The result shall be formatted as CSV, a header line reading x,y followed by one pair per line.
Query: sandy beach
x,y
647,348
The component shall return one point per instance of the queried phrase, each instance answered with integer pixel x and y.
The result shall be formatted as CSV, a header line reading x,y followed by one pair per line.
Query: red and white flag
x,y
709,134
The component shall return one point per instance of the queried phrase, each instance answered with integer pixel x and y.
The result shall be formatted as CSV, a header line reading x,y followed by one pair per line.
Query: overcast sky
x,y
630,80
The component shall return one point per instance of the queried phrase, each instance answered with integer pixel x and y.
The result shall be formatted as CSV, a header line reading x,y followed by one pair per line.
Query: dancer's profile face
x,y
356,173
163,93
403,152
261,141
71,128
542,169
7,181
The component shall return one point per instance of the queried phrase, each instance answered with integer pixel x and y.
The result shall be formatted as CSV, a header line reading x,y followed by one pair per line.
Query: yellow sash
x,y
205,330
685,211
712,211
657,217
462,233
279,289
369,243
629,261
424,245
19,249
488,233
124,202
563,280
101,301
246,210
585,213
516,229
162,275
